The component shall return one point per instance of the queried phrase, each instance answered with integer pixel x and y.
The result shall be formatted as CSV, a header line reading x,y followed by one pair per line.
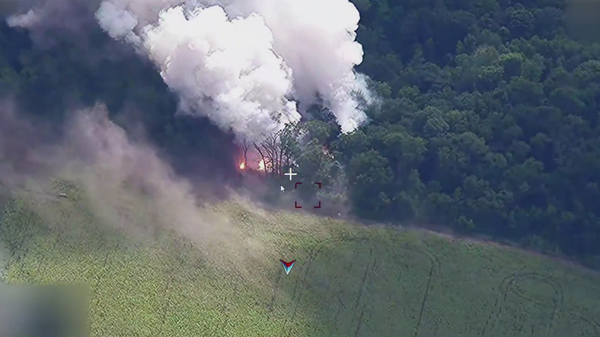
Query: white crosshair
x,y
291,174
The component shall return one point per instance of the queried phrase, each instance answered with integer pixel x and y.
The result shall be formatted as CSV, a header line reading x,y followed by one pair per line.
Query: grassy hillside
x,y
348,280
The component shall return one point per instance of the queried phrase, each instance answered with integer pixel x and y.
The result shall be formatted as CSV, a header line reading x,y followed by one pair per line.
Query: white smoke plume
x,y
245,63
29,19
65,16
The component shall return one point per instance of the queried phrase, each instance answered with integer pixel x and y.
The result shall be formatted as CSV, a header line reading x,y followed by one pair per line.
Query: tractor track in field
x,y
302,283
271,305
506,287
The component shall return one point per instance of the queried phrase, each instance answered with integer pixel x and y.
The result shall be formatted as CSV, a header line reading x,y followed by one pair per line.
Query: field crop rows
x,y
372,297
364,282
363,289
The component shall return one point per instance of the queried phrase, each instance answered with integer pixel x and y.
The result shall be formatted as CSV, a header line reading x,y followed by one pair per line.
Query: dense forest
x,y
489,123
487,120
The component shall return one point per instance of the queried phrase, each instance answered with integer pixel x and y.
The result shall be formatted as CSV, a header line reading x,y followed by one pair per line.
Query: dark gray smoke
x,y
121,183
46,20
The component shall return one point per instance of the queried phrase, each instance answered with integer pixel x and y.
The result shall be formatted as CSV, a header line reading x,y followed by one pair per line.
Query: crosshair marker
x,y
291,173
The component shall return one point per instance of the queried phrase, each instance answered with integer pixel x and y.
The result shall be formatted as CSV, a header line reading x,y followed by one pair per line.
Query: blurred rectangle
x,y
582,19
44,311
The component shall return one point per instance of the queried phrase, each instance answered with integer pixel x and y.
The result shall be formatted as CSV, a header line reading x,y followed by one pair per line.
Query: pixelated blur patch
x,y
582,18
44,311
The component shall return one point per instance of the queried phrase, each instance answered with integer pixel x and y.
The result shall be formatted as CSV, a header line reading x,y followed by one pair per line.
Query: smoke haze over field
x,y
243,64
122,183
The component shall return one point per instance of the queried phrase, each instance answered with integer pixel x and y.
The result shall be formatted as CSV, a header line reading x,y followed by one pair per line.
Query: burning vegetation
x,y
272,154
260,167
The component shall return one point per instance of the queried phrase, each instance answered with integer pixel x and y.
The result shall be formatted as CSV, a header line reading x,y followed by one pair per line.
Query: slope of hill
x,y
488,121
349,280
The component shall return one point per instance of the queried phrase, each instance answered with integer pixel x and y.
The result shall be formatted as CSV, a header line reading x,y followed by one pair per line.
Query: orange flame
x,y
242,166
261,165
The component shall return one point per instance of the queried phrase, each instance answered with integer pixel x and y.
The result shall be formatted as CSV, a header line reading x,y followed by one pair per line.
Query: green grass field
x,y
348,280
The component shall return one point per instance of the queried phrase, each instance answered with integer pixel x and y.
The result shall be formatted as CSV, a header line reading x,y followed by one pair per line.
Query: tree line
x,y
488,122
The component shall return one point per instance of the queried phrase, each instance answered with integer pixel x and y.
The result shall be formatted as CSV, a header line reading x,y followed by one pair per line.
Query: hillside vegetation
x,y
487,123
348,280
488,120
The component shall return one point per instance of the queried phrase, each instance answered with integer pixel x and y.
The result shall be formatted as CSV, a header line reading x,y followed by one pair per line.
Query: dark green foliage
x,y
79,72
489,121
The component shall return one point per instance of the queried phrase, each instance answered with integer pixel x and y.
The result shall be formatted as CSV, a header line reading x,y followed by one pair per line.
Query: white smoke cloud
x,y
70,16
226,68
26,20
245,63
121,22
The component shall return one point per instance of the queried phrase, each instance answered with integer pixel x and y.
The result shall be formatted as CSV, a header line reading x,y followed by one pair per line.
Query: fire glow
x,y
261,166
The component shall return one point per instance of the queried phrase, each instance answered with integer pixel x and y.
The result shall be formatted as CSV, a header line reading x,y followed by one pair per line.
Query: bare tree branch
x,y
276,150
245,147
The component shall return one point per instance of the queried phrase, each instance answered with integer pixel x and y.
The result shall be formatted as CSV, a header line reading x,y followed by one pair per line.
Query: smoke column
x,y
246,63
